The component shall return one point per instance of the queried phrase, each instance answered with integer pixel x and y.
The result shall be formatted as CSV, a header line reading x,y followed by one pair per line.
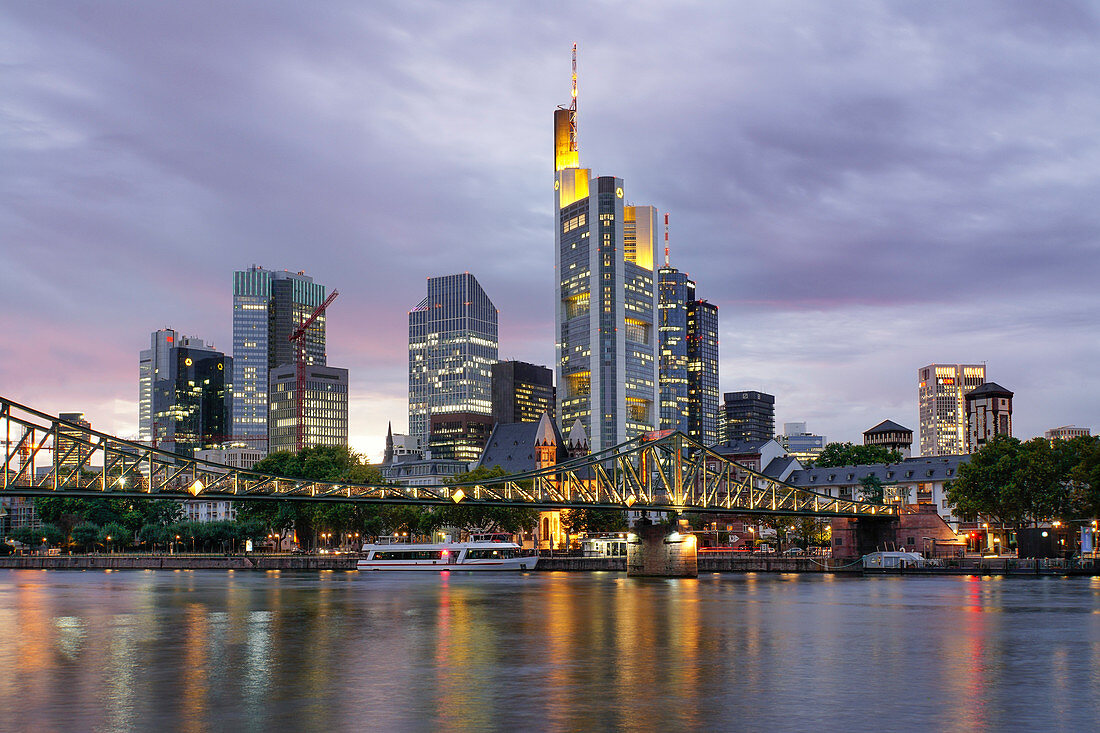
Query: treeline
x,y
1025,483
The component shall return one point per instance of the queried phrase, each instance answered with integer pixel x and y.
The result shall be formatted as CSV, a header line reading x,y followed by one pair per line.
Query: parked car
x,y
794,551
765,549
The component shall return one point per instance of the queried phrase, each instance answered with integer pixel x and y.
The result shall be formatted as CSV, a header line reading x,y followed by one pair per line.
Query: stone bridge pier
x,y
662,551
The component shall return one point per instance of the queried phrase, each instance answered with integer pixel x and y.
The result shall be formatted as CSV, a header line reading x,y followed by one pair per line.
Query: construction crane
x,y
298,339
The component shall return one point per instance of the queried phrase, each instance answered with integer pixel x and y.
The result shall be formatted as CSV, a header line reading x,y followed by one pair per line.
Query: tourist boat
x,y
480,552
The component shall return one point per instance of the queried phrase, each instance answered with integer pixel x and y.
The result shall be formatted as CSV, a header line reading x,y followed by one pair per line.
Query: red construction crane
x,y
298,339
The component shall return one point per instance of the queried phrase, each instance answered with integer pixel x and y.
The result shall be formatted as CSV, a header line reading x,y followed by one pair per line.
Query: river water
x,y
335,651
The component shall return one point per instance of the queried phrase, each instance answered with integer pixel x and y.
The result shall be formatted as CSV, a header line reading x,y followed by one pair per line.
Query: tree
x,y
870,489
85,535
847,454
1085,475
593,520
482,518
114,535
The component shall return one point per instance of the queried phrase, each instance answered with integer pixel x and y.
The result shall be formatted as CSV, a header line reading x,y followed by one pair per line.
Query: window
x,y
910,540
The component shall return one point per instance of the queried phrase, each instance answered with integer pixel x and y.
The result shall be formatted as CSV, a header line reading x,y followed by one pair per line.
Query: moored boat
x,y
481,552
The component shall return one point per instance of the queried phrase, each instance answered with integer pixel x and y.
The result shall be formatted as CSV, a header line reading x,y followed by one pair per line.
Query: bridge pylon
x,y
662,550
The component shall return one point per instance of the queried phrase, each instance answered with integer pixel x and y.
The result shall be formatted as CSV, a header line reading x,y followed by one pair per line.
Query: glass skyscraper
x,y
606,304
688,358
268,305
453,345
702,369
189,394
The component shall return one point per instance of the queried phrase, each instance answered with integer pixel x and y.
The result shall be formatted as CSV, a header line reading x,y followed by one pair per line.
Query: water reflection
x,y
342,651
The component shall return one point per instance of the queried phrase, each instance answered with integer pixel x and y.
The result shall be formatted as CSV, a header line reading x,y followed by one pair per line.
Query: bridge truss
x,y
671,473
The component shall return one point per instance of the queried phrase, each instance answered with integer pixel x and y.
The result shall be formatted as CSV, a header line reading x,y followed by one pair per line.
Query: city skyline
x,y
861,194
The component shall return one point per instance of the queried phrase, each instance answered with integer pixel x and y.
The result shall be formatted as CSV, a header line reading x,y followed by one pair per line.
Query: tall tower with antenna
x,y
606,304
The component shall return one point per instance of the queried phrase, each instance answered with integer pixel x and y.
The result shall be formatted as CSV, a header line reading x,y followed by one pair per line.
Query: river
x,y
341,651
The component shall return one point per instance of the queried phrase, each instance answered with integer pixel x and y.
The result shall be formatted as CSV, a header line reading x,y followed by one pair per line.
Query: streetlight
x,y
108,544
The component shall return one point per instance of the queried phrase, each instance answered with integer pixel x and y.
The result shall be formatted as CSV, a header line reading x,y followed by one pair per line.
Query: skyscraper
x,y
268,305
606,304
522,392
750,416
189,394
157,364
324,408
452,347
941,400
71,452
702,354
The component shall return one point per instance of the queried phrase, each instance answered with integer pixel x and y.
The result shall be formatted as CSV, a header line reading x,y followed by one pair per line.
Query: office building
x,y
606,299
988,414
1066,432
672,367
800,443
153,364
459,436
750,416
324,408
452,348
72,452
942,405
522,392
702,353
891,436
268,305
400,447
189,393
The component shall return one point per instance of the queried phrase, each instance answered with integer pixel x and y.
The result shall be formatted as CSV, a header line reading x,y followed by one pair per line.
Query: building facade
x,y
324,408
702,354
71,452
268,305
190,397
453,345
1066,432
988,414
522,392
459,436
750,416
672,364
942,406
800,443
606,300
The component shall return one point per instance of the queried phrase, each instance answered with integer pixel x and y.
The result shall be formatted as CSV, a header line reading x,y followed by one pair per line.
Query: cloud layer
x,y
862,188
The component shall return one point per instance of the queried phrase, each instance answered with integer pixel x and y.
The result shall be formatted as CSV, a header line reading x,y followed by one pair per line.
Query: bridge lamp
x,y
458,496
196,488
630,501
122,481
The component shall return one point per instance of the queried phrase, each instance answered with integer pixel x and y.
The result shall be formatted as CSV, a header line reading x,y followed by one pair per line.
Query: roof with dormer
x,y
887,426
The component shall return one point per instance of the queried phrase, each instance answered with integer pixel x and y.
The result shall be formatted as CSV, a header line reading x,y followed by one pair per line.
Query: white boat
x,y
480,552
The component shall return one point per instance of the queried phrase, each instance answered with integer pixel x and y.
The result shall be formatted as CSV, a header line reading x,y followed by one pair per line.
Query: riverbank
x,y
751,564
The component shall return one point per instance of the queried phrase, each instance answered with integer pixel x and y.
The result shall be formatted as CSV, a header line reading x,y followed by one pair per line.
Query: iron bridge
x,y
672,473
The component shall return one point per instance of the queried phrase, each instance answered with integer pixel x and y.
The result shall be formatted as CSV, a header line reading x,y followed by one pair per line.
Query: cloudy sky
x,y
862,187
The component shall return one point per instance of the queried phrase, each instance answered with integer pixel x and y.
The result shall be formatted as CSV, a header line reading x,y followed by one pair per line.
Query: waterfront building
x,y
268,306
185,387
234,457
988,414
767,457
892,436
16,512
800,443
942,406
606,299
71,451
413,471
459,436
324,408
702,355
522,392
1066,432
750,415
200,510
453,345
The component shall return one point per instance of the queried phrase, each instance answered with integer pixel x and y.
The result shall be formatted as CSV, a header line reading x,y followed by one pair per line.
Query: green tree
x,y
1085,476
85,535
115,536
870,490
153,535
593,520
847,454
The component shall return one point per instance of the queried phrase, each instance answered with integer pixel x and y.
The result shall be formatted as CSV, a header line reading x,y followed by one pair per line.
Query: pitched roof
x,y
939,468
512,445
739,447
991,389
887,426
577,435
777,466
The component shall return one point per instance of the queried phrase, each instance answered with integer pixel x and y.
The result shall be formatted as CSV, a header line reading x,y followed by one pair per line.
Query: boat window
x,y
489,554
408,555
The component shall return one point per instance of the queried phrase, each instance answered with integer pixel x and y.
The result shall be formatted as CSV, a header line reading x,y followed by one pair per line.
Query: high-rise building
x,y
702,353
522,392
268,305
942,403
189,393
71,451
459,436
452,348
988,414
324,408
606,299
688,362
750,416
153,364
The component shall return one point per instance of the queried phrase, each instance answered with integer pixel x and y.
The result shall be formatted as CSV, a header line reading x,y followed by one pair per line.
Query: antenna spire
x,y
573,106
666,239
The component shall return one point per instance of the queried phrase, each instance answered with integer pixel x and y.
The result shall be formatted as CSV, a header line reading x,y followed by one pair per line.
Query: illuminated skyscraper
x,y
452,349
268,305
942,402
606,304
702,355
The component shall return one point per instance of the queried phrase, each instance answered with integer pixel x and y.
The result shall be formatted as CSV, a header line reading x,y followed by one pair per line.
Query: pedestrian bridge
x,y
46,456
